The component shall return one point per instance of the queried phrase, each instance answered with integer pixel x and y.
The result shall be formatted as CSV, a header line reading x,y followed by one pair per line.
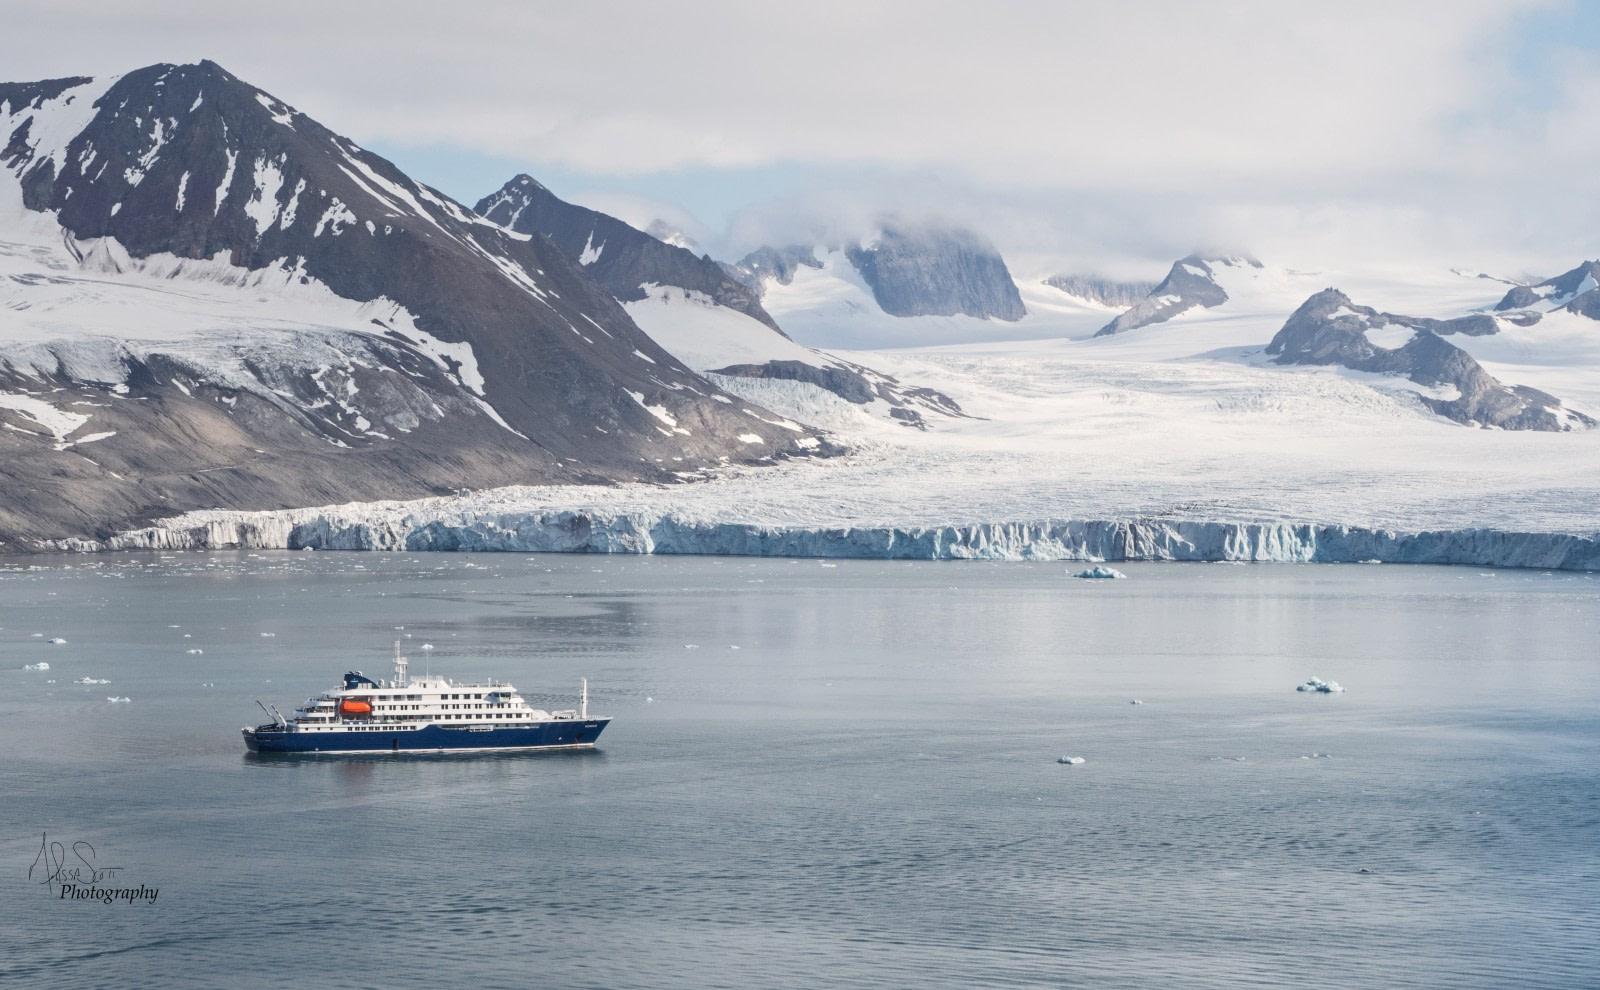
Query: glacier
x,y
373,527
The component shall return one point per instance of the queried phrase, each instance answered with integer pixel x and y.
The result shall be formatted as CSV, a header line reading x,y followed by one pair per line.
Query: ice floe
x,y
1072,760
41,665
1100,571
1320,686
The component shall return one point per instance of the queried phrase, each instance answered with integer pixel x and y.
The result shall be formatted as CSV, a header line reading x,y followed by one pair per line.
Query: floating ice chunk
x,y
194,651
91,680
691,646
58,641
427,646
268,635
41,665
1072,760
1320,686
118,701
1100,571
1136,701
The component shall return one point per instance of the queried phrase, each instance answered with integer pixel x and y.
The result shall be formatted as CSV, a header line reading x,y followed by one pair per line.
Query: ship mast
x,y
400,664
584,707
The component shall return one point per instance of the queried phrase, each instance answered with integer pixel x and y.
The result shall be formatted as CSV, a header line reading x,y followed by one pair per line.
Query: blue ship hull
x,y
562,734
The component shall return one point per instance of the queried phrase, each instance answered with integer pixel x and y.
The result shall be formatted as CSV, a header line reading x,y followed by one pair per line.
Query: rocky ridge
x,y
1191,284
619,256
1329,329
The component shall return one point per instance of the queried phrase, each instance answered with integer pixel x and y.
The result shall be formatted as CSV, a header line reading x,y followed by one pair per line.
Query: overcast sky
x,y
1079,135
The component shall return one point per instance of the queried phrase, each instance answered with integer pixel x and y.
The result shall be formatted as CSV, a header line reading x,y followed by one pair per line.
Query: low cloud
x,y
1132,130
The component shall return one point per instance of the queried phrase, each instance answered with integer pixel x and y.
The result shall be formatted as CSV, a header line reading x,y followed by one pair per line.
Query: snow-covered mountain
x,y
1576,291
1329,329
620,257
213,300
699,312
935,270
1192,283
903,281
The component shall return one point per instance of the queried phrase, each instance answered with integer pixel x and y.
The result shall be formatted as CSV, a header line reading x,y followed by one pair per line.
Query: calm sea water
x,y
820,775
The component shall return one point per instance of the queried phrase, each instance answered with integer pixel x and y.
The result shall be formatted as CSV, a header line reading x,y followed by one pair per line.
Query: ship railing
x,y
569,713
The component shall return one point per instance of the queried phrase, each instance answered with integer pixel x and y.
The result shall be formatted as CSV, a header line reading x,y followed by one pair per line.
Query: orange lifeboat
x,y
355,706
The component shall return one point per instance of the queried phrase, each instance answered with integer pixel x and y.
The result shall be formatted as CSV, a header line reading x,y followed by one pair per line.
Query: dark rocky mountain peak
x,y
1191,283
619,256
778,264
626,260
1330,329
1577,291
936,270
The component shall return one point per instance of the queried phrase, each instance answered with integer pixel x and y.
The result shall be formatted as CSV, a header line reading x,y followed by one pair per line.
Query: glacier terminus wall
x,y
667,533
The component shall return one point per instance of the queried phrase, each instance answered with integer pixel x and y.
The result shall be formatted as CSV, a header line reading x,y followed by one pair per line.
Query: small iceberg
x,y
58,641
119,701
1100,571
1072,761
1320,686
1136,701
268,635
194,651
41,665
91,680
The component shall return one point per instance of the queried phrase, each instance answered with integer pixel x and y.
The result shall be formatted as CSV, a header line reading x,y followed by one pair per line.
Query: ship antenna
x,y
584,707
400,665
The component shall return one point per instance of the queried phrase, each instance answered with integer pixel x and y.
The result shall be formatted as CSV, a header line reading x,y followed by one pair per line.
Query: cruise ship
x,y
422,715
